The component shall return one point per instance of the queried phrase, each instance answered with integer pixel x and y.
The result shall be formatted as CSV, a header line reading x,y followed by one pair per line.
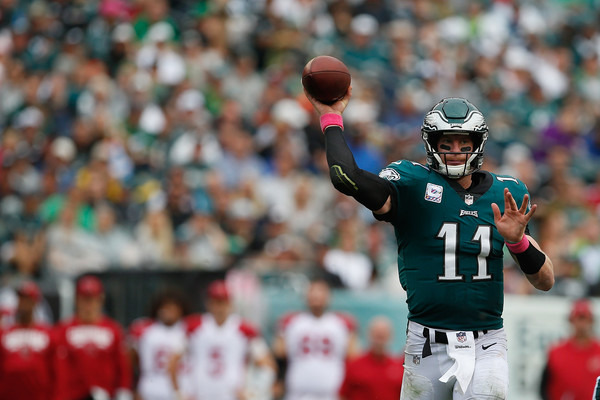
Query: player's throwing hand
x,y
336,108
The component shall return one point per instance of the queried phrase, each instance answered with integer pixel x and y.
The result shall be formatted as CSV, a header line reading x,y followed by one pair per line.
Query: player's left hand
x,y
511,225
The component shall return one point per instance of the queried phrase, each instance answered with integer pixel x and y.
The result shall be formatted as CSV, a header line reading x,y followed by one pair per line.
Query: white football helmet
x,y
454,116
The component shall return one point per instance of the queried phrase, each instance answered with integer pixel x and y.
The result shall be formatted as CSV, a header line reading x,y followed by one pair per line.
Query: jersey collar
x,y
481,182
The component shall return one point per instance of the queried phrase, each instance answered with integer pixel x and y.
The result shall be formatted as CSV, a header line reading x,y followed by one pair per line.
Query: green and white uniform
x,y
450,261
450,254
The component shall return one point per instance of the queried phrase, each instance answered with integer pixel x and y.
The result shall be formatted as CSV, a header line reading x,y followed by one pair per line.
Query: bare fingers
x,y
497,213
509,201
531,212
523,208
506,199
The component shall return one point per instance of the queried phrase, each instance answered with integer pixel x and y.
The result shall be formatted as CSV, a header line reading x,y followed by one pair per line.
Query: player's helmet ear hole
x,y
454,116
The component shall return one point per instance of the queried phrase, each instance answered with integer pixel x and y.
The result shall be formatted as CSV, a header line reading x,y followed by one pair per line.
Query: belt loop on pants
x,y
440,337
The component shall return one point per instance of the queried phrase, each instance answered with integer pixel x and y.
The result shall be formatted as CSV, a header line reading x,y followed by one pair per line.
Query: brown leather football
x,y
326,79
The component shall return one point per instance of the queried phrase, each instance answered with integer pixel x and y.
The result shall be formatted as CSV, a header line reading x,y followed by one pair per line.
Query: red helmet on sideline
x,y
29,289
581,307
217,290
89,286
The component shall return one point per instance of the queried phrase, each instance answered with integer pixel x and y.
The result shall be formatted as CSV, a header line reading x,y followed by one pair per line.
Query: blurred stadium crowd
x,y
154,134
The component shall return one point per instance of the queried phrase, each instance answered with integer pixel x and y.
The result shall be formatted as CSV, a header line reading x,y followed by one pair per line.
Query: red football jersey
x,y
572,370
91,355
27,363
371,377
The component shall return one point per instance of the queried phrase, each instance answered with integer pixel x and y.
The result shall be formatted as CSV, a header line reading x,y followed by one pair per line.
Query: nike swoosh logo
x,y
487,347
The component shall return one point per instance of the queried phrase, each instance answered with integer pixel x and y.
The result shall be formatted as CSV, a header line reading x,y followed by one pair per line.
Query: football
x,y
326,79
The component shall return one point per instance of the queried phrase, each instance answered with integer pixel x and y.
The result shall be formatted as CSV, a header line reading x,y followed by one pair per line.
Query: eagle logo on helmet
x,y
454,116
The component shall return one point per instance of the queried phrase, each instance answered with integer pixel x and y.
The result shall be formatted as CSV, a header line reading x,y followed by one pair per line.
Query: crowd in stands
x,y
154,134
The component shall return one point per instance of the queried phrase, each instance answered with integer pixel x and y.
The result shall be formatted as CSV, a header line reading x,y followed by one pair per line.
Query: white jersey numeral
x,y
504,179
449,234
483,235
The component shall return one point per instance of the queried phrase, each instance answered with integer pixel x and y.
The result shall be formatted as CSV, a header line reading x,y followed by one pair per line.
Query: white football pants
x,y
422,374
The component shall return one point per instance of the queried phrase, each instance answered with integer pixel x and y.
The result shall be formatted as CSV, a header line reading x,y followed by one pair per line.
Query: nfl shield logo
x,y
461,337
468,199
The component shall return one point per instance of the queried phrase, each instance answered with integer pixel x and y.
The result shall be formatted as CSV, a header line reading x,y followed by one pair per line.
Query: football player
x,y
452,221
312,347
27,364
155,341
376,373
92,359
220,345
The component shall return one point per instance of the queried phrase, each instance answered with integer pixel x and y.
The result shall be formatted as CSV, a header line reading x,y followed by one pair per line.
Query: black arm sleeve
x,y
368,189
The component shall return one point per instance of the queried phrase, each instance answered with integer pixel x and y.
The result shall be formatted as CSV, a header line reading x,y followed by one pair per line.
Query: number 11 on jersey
x,y
449,234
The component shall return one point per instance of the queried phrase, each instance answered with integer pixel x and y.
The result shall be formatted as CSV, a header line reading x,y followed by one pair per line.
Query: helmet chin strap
x,y
454,171
457,171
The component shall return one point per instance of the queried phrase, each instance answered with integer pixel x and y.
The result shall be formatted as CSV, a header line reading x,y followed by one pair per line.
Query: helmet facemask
x,y
454,116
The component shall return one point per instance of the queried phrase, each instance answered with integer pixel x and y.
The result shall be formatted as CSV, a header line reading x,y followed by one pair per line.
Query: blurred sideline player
x,y
9,299
312,346
375,374
574,363
27,352
155,341
93,363
220,344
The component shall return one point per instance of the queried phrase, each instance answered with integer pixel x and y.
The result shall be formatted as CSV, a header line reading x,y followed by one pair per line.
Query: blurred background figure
x,y
9,304
375,374
219,347
27,352
345,260
573,364
312,347
155,341
92,358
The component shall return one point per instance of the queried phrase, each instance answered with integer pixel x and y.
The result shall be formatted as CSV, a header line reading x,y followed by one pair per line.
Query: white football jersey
x,y
156,343
316,351
218,357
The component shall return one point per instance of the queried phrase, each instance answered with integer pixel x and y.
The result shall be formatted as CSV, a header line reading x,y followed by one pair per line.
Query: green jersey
x,y
450,254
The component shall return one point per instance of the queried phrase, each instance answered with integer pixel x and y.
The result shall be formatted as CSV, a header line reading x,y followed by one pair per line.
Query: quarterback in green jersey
x,y
451,221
